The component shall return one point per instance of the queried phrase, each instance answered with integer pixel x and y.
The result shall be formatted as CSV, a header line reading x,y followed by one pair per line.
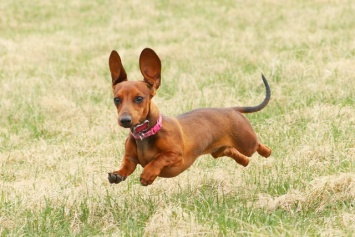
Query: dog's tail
x,y
252,109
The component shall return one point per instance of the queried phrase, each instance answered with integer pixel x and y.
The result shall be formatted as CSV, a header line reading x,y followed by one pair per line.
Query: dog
x,y
167,146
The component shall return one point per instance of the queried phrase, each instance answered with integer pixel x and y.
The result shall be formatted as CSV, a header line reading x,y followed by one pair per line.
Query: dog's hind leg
x,y
264,150
233,153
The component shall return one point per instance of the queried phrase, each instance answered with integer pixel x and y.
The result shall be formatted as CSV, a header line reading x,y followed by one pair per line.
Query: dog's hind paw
x,y
115,178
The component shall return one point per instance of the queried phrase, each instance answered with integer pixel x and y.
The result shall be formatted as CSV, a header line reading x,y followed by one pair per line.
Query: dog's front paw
x,y
114,178
149,175
146,182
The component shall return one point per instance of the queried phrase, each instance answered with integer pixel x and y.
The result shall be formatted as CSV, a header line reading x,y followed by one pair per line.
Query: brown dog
x,y
166,146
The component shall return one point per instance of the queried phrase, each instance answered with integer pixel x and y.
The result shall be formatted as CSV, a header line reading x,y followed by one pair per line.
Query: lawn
x,y
58,124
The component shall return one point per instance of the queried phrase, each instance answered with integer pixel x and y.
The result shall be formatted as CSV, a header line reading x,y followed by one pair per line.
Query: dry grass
x,y
59,136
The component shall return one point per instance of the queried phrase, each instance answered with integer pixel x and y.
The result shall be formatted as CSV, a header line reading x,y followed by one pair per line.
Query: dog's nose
x,y
126,120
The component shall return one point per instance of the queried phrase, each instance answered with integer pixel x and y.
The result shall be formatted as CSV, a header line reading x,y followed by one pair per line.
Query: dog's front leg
x,y
152,170
128,164
127,168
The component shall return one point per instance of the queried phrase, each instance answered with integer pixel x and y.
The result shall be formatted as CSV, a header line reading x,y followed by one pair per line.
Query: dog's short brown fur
x,y
215,131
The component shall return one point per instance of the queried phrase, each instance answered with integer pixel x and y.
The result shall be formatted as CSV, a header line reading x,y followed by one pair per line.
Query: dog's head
x,y
132,98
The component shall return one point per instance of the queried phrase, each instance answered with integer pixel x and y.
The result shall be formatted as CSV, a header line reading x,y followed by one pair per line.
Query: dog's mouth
x,y
136,128
125,125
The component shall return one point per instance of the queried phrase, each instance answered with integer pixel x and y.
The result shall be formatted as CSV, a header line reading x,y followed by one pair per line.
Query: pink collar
x,y
139,131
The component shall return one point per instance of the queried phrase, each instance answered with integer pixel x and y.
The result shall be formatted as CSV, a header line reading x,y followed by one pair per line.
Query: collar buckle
x,y
142,130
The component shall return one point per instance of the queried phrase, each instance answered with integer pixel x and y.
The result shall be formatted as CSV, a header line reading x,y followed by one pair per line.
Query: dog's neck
x,y
150,126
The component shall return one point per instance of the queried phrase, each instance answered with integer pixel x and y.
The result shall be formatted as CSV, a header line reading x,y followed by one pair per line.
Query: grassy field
x,y
58,125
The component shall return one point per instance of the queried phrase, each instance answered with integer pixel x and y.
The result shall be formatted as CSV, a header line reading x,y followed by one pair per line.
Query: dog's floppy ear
x,y
118,73
150,67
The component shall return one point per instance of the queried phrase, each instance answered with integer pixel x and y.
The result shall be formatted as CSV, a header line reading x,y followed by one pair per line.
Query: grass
x,y
59,136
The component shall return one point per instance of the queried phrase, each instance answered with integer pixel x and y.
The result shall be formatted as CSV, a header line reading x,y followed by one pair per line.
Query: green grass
x,y
58,126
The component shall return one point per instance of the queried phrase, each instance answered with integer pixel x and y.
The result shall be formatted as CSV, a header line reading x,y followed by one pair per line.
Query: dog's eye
x,y
117,101
138,99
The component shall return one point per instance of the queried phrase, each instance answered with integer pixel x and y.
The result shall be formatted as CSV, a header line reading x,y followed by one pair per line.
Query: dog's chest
x,y
146,151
